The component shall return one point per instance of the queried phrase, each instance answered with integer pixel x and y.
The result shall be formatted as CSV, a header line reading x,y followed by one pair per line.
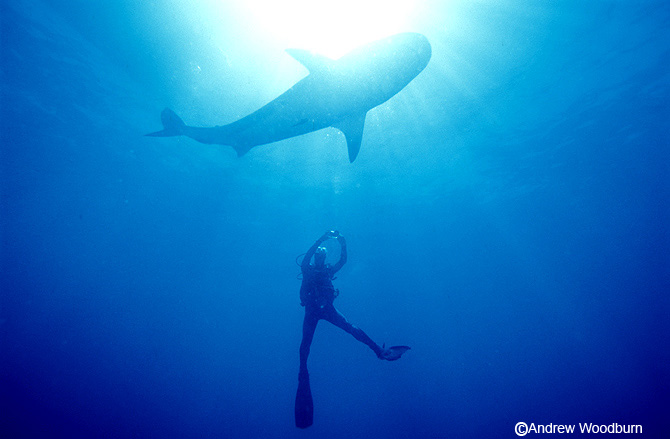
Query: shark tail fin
x,y
172,125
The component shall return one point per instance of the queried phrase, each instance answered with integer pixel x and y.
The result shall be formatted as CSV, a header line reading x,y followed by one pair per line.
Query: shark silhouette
x,y
336,93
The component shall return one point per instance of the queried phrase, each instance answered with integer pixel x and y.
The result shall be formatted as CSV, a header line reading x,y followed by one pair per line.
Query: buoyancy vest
x,y
317,286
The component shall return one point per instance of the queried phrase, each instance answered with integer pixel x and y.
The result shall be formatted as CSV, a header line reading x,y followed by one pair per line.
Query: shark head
x,y
411,50
382,68
408,51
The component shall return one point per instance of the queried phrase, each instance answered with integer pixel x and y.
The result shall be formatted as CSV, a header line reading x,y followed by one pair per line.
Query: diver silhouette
x,y
317,294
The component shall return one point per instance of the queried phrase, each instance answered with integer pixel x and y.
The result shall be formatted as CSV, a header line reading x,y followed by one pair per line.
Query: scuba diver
x,y
317,295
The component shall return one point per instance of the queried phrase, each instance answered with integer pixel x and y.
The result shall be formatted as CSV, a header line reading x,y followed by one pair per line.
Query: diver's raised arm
x,y
343,253
312,250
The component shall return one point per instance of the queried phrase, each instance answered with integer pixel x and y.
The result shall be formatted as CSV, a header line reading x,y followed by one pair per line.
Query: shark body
x,y
336,93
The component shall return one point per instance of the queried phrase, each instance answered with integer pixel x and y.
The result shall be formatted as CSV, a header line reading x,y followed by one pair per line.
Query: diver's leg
x,y
336,318
308,328
304,405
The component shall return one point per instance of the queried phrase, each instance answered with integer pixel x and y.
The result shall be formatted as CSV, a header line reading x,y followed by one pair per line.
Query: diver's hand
x,y
329,234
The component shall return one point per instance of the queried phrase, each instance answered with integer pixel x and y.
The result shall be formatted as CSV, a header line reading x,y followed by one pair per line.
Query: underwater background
x,y
507,217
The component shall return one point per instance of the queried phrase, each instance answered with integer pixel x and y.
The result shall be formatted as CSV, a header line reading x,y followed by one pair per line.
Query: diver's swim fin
x,y
304,406
393,353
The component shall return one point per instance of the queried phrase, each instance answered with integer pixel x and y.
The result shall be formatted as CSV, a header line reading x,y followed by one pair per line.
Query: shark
x,y
336,93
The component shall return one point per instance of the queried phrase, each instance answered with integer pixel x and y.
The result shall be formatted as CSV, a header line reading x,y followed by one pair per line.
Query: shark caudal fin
x,y
172,125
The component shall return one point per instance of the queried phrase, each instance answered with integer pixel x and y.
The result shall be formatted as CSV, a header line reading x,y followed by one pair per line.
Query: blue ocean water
x,y
507,218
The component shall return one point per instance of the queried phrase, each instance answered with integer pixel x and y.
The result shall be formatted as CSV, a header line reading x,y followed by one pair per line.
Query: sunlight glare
x,y
329,28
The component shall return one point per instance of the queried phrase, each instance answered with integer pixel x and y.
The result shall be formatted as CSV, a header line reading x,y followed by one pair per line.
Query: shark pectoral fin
x,y
352,129
314,62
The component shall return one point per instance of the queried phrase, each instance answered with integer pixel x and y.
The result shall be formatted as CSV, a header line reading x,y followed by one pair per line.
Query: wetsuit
x,y
317,295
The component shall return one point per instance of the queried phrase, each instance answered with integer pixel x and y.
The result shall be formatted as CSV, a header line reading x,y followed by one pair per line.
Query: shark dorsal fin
x,y
314,62
353,131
